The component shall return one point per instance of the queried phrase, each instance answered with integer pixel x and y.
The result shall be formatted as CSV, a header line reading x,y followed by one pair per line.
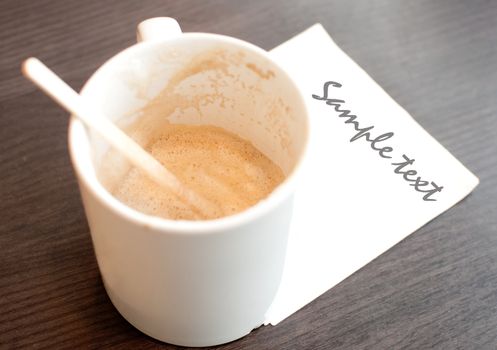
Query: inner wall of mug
x,y
196,81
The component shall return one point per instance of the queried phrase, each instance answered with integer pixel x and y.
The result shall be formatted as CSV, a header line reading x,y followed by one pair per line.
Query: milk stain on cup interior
x,y
227,170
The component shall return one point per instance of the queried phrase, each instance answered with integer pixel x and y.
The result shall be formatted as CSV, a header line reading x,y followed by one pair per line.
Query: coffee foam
x,y
226,170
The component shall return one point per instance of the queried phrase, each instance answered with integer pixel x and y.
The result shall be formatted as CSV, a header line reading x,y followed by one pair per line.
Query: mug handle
x,y
157,28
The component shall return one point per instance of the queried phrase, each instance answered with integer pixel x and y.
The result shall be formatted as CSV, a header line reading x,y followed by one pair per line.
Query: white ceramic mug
x,y
193,283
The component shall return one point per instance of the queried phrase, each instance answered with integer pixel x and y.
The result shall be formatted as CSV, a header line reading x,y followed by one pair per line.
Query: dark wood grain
x,y
436,289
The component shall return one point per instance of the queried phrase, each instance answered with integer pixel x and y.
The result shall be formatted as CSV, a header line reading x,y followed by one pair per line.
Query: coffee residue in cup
x,y
218,165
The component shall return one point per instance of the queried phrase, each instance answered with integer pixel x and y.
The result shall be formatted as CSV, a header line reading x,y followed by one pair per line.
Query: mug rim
x,y
164,225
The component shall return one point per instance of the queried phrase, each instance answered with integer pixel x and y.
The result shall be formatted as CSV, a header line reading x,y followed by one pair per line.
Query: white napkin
x,y
354,201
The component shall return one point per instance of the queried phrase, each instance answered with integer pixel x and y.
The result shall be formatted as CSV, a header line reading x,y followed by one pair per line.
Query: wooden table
x,y
435,289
